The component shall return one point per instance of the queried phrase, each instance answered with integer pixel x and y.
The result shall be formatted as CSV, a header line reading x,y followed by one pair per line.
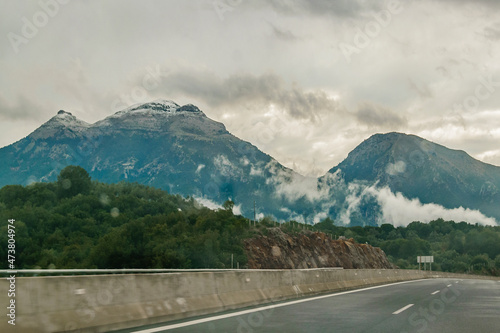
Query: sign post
x,y
425,260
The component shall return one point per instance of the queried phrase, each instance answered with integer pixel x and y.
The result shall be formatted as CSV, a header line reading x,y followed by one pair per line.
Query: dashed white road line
x,y
434,293
402,309
448,286
273,306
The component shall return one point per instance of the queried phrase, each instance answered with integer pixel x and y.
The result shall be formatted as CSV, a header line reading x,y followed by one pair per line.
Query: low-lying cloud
x,y
398,210
207,202
293,186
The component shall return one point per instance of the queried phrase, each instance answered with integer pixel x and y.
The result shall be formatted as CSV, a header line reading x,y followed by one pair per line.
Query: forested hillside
x,y
456,247
79,223
76,223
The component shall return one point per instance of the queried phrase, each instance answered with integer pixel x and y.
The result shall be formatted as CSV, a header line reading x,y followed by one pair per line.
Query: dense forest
x,y
456,247
79,223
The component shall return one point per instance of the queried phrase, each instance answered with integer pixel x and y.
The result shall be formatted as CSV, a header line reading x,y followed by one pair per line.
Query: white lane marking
x,y
448,286
434,293
456,281
403,308
274,306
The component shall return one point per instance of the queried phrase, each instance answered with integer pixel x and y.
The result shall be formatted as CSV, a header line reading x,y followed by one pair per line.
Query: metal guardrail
x,y
132,270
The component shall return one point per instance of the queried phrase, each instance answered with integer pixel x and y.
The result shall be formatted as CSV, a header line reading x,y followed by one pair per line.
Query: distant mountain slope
x,y
162,144
179,149
418,168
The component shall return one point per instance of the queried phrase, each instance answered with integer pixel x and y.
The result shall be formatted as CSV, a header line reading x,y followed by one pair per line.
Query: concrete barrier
x,y
100,303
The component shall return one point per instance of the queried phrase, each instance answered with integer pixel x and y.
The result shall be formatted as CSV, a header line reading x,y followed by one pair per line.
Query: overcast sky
x,y
305,81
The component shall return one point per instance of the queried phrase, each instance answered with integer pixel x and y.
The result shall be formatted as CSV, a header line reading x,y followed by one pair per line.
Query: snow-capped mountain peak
x,y
190,109
67,117
159,105
151,116
163,107
62,124
63,113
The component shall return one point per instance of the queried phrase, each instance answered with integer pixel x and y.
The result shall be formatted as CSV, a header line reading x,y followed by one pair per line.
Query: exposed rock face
x,y
311,250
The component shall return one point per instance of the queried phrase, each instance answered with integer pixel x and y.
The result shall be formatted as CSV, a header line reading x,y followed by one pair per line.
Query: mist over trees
x,y
79,223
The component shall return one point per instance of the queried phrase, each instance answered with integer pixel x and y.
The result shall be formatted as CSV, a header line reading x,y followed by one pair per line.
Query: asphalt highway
x,y
432,305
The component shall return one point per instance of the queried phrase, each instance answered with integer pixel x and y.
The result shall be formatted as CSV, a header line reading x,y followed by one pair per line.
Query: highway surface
x,y
432,305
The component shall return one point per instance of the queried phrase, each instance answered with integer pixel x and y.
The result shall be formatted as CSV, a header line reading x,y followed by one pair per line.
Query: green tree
x,y
497,262
228,205
480,262
73,180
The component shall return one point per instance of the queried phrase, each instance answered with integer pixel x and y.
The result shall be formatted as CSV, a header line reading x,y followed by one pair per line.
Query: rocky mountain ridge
x,y
172,147
181,150
423,170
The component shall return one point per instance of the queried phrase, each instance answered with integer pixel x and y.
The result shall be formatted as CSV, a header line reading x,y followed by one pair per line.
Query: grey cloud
x,y
338,8
443,71
493,3
492,32
350,8
22,109
422,90
250,90
285,35
374,115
